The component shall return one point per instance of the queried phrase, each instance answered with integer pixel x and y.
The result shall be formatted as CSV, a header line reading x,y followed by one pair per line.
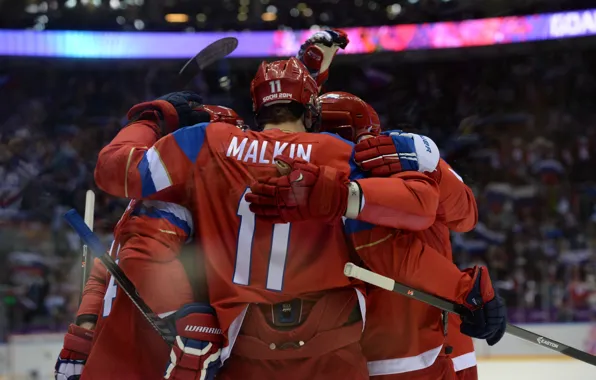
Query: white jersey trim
x,y
401,365
362,304
464,361
232,335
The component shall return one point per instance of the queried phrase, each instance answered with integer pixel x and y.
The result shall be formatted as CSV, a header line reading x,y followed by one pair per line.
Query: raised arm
x,y
128,166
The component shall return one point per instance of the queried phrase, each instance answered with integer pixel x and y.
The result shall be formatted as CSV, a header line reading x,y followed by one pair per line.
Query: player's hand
x,y
317,52
394,152
307,192
489,316
197,348
72,358
171,111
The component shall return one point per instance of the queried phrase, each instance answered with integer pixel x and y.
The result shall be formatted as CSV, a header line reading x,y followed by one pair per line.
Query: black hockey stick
x,y
209,55
353,270
98,249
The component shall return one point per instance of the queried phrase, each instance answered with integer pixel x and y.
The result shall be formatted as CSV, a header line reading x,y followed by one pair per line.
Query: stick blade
x,y
212,53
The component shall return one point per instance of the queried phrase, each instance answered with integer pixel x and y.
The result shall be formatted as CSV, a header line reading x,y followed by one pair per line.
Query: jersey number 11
x,y
280,240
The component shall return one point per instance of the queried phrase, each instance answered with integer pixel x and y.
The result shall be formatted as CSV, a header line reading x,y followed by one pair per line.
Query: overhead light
x,y
70,3
176,17
268,16
393,10
272,9
139,24
120,20
242,17
31,8
201,17
114,4
307,12
294,12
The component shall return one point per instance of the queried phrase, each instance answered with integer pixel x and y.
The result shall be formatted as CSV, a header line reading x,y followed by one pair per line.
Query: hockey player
x,y
152,228
457,212
307,322
349,115
394,318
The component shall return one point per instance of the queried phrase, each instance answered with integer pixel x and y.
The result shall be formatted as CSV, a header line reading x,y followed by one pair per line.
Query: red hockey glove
x,y
394,152
72,358
171,111
489,315
307,192
197,348
317,52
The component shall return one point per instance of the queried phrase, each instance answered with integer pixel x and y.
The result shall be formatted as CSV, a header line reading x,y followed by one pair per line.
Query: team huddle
x,y
271,215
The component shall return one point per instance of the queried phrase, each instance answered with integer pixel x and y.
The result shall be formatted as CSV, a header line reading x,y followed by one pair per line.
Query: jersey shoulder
x,y
203,136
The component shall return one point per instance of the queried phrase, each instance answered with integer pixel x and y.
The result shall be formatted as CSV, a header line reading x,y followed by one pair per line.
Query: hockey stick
x,y
99,250
210,54
353,270
89,216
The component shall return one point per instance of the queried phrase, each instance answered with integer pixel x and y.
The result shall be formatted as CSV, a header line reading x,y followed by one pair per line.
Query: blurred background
x,y
511,101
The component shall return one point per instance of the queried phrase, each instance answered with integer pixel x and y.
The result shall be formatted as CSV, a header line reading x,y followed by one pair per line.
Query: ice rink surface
x,y
555,368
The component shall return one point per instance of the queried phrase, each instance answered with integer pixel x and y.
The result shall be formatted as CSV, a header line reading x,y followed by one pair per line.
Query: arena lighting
x,y
176,17
283,43
269,16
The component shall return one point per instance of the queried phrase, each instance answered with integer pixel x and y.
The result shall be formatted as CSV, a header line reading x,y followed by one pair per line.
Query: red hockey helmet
x,y
348,115
286,81
223,114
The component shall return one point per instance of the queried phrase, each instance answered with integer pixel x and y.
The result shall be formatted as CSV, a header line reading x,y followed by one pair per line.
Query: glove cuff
x,y
78,339
482,289
159,111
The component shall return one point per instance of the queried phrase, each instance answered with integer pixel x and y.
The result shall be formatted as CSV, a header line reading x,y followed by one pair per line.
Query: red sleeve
x,y
407,200
150,242
130,167
94,291
405,258
117,160
457,205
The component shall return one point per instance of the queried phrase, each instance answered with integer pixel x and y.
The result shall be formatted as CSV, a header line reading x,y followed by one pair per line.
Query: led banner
x,y
281,43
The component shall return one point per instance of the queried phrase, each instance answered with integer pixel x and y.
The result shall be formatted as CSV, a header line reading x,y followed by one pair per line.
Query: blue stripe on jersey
x,y
147,185
190,140
156,213
353,226
355,171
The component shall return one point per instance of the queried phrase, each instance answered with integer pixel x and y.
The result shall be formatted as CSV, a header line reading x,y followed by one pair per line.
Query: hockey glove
x,y
171,111
489,316
317,52
395,151
307,192
72,358
197,349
